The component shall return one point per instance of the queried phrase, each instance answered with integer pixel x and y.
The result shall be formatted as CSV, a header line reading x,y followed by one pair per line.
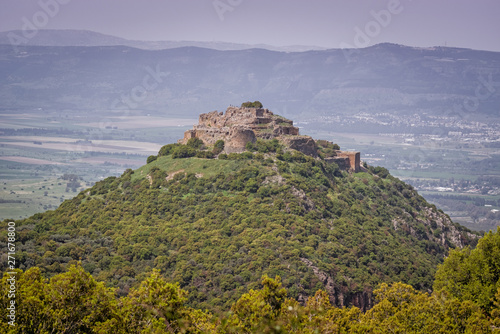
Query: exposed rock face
x,y
450,234
327,280
304,144
340,296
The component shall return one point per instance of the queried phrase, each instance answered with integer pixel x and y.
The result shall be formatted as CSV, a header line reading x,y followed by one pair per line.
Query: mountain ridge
x,y
72,37
382,78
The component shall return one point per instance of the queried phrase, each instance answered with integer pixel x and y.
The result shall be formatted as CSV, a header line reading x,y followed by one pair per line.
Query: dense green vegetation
x,y
216,226
473,274
255,104
327,149
74,302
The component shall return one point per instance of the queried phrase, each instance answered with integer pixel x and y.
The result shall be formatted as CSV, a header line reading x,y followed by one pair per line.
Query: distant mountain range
x,y
89,38
185,80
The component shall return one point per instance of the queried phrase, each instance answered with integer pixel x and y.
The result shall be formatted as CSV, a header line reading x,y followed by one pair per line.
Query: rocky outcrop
x,y
449,234
304,144
340,296
327,281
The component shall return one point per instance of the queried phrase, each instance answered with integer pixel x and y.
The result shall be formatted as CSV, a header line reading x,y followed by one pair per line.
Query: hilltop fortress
x,y
238,126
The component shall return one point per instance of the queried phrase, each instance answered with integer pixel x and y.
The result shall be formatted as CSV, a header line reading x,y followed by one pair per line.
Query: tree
x,y
183,151
151,158
258,308
158,307
255,104
72,302
167,149
195,143
401,309
204,155
218,147
472,274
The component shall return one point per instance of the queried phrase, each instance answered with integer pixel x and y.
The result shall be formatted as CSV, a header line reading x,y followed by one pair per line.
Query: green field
x,y
36,151
24,197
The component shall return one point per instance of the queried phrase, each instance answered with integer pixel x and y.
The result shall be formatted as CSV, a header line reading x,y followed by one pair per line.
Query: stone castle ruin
x,y
238,126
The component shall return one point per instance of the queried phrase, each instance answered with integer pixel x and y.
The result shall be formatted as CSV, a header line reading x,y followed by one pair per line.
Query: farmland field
x,y
38,151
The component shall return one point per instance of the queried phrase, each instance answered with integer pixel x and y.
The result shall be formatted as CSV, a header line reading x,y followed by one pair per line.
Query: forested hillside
x,y
466,300
217,225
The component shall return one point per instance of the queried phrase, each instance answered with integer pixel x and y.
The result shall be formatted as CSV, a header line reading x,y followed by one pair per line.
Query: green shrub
x,y
195,143
204,155
218,147
167,149
264,146
183,151
248,104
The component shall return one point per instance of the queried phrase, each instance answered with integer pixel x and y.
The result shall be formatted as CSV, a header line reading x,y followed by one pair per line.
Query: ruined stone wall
x,y
238,126
238,138
210,135
212,119
285,130
235,116
354,159
342,162
187,135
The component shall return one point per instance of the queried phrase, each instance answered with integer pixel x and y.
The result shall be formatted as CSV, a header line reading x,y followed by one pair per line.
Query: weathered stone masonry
x,y
238,126
347,160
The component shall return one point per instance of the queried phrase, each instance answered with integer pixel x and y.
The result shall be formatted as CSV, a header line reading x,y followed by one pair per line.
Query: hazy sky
x,y
328,23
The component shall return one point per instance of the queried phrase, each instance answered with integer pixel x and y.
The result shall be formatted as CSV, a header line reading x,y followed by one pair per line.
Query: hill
x,y
184,81
216,216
